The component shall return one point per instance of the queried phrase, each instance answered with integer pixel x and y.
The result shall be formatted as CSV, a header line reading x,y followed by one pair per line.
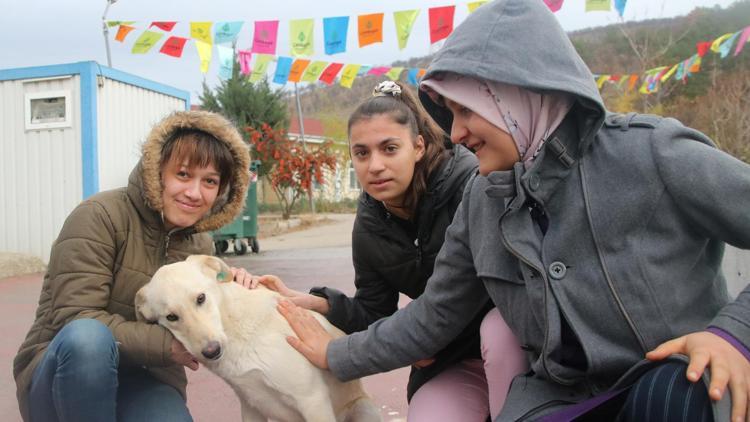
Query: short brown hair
x,y
200,149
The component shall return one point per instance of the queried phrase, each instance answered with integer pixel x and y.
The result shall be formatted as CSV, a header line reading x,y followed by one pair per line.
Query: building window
x,y
47,110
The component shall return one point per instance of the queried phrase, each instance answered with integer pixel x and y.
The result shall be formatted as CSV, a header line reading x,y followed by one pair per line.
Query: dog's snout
x,y
212,350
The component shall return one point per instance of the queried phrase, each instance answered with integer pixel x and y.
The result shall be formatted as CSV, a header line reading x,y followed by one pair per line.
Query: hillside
x,y
714,100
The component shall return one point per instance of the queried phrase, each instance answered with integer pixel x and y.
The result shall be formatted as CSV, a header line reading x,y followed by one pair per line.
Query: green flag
x,y
404,23
144,43
598,5
301,37
260,67
313,71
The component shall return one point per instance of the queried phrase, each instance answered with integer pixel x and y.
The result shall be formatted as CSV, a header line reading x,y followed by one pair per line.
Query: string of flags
x,y
298,66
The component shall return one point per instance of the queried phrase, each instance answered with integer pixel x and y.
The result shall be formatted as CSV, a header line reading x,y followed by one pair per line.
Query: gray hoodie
x,y
638,210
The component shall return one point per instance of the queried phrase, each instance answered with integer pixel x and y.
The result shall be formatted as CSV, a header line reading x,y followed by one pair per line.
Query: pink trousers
x,y
473,389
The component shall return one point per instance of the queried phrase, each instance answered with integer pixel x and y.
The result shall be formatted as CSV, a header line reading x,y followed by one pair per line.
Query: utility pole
x,y
304,146
105,31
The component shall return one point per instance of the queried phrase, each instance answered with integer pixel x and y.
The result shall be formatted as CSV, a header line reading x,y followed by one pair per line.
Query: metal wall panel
x,y
126,114
41,169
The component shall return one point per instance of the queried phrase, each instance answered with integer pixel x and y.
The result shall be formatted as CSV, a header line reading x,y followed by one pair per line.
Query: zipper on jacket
x,y
419,253
599,254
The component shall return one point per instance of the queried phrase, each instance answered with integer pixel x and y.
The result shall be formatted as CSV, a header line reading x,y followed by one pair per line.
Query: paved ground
x,y
321,255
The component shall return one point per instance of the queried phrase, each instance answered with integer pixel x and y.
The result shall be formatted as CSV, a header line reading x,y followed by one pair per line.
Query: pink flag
x,y
244,57
379,71
743,39
554,5
264,40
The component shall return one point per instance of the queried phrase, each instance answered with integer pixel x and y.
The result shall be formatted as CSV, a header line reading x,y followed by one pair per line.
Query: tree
x,y
246,103
289,168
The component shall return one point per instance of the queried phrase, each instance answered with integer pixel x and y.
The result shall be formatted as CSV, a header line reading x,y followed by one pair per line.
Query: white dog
x,y
240,336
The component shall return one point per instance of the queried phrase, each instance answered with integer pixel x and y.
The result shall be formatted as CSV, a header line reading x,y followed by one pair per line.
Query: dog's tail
x,y
361,410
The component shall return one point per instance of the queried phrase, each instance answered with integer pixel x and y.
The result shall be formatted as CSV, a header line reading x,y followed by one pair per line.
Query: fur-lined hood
x,y
229,205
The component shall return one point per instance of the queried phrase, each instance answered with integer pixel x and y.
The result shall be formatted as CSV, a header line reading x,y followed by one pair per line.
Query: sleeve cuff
x,y
731,340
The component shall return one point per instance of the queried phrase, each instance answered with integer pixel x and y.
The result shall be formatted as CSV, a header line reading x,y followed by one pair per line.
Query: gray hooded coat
x,y
638,210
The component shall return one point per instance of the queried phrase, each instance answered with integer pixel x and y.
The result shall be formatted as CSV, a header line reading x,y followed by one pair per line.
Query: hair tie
x,y
387,89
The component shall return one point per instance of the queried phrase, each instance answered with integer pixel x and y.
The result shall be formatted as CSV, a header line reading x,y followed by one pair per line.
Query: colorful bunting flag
x,y
474,4
264,38
411,76
716,44
379,70
695,64
601,79
668,74
204,52
348,74
261,67
226,32
334,34
147,40
201,31
173,46
313,71
301,37
283,67
164,26
703,47
726,46
111,24
620,6
370,28
298,67
441,22
244,57
123,32
598,5
404,24
226,61
330,73
554,5
395,73
743,39
363,69
632,81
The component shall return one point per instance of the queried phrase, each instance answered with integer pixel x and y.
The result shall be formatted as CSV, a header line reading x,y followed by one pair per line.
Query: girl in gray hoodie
x,y
599,237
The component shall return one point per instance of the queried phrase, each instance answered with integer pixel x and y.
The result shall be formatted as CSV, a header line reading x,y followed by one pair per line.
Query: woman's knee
x,y
86,340
497,339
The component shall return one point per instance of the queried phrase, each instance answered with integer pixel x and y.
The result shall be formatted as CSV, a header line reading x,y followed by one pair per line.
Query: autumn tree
x,y
289,166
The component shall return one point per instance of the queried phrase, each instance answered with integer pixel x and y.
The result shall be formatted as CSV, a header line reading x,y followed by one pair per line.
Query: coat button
x,y
557,270
534,182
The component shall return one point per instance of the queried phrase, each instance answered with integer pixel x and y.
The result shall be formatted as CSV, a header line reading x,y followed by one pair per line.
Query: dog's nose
x,y
212,350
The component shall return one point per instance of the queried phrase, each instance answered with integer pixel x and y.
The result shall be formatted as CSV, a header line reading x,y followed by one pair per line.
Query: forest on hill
x,y
714,100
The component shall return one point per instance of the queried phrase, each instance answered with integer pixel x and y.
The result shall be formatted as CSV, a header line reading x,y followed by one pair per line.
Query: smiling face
x,y
384,154
494,148
188,193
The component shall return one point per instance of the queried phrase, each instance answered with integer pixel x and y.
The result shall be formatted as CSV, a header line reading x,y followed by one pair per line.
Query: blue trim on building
x,y
89,72
89,129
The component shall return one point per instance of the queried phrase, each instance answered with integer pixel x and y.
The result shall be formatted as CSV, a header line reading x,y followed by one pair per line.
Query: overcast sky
x,y
45,32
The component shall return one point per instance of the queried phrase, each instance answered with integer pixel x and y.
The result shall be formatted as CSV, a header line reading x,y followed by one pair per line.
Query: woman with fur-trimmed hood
x,y
86,357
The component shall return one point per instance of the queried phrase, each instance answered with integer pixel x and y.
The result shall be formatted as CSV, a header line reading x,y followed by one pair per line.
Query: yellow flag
x,y
717,42
313,71
601,80
145,42
670,73
301,37
404,23
204,52
201,31
260,67
348,75
473,5
598,5
395,73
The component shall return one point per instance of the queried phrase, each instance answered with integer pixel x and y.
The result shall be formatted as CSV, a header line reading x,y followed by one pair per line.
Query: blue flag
x,y
283,66
226,32
363,70
334,32
411,77
620,6
226,61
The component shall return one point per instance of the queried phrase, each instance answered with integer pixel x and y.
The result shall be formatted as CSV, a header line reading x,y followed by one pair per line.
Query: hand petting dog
x,y
312,339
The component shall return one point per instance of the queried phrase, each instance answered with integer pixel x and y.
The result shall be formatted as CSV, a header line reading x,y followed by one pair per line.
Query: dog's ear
x,y
212,266
143,311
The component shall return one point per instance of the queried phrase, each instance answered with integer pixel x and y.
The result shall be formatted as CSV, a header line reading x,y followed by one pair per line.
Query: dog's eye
x,y
201,298
172,317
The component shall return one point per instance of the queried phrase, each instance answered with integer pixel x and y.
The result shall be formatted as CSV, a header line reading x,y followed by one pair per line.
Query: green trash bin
x,y
243,231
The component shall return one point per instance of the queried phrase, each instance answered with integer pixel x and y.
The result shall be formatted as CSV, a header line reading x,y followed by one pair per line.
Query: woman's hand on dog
x,y
312,339
244,278
303,300
182,356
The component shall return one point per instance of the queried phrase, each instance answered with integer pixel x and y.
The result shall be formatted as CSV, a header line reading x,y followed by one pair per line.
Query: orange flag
x,y
298,67
370,29
123,32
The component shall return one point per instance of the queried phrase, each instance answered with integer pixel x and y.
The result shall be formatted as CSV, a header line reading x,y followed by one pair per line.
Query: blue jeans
x,y
78,380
